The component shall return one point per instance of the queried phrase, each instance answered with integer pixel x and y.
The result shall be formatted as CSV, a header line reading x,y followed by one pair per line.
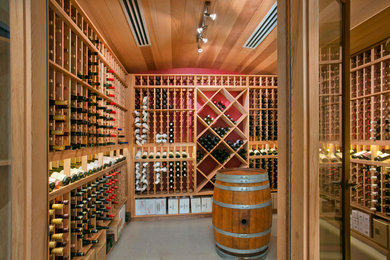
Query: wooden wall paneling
x,y
28,124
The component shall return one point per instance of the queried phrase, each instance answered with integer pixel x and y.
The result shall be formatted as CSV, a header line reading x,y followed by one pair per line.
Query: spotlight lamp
x,y
203,26
211,16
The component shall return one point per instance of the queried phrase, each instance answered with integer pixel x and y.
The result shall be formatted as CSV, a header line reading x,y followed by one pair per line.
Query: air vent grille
x,y
263,29
136,20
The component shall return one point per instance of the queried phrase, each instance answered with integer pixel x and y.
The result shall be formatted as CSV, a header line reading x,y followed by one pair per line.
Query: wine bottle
x,y
382,156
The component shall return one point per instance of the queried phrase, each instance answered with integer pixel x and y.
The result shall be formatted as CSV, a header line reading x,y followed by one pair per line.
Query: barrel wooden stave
x,y
230,220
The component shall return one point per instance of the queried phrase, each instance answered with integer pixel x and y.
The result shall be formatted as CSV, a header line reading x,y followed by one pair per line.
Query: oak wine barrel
x,y
242,213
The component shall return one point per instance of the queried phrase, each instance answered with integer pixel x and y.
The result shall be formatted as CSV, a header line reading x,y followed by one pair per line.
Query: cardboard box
x,y
140,207
196,206
206,204
114,229
173,206
184,205
122,217
381,232
161,206
101,252
150,206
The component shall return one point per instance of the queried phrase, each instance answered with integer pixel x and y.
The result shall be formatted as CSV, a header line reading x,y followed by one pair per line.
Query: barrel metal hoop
x,y
226,256
242,251
230,188
238,206
253,235
241,178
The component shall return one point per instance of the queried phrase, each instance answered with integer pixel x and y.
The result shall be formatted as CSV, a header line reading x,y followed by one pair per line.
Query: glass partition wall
x,y
332,199
5,177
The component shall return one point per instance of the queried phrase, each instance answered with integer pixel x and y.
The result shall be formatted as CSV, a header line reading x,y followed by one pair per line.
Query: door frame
x,y
298,114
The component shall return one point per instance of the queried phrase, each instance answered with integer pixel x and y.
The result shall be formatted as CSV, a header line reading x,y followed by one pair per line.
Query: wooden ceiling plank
x,y
108,17
239,54
245,16
264,63
158,19
262,51
218,30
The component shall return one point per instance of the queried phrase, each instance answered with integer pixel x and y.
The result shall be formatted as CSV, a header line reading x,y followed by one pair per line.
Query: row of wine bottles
x,y
161,176
380,156
263,151
58,178
90,208
270,165
162,98
145,155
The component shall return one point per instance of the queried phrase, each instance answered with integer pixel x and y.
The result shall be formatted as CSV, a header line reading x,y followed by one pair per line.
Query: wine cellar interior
x,y
190,129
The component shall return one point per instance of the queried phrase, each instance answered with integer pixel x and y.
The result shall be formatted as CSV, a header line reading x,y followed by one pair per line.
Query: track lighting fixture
x,y
202,26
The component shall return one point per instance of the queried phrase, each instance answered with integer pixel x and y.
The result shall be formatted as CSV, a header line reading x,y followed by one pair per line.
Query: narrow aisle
x,y
173,239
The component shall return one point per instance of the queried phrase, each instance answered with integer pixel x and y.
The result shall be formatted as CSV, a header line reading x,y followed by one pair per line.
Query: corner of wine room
x,y
195,129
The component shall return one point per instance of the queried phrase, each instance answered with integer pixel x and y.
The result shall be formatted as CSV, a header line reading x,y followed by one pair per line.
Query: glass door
x,y
334,124
5,153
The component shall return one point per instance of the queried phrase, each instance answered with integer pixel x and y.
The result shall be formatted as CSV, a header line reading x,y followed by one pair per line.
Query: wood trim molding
x,y
298,191
29,130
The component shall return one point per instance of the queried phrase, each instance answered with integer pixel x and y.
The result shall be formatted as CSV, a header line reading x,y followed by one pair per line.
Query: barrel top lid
x,y
241,171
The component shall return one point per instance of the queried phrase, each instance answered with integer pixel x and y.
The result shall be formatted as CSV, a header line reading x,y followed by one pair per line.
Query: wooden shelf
x,y
144,217
165,159
58,9
71,186
60,155
384,164
94,90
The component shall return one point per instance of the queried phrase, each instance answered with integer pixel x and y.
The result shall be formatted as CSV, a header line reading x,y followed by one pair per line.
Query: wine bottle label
x,y
56,132
57,206
58,236
59,117
58,147
57,251
57,221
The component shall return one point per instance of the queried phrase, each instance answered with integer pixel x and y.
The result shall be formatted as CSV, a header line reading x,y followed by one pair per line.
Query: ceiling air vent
x,y
263,29
136,20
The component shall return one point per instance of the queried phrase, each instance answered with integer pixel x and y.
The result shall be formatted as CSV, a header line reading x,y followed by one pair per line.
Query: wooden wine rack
x,y
88,115
66,193
87,87
370,126
189,99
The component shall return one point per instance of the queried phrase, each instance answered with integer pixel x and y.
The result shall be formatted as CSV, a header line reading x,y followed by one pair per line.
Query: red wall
x,y
189,71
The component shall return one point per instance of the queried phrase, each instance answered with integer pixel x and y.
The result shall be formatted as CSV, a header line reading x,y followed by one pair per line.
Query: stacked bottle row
x,y
58,177
86,88
371,187
204,80
80,118
89,210
78,28
162,176
371,118
263,125
270,165
329,174
166,98
263,98
370,153
370,97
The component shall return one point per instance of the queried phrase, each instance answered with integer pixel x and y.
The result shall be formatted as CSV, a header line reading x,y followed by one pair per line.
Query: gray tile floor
x,y
172,239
